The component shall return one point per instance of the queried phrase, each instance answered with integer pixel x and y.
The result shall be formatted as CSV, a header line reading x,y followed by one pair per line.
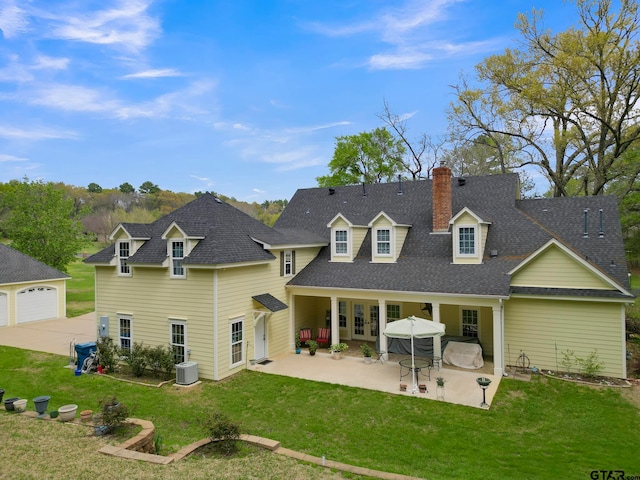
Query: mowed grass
x,y
545,428
81,286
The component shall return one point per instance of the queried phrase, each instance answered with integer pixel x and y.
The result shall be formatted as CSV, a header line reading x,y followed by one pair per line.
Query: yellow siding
x,y
357,235
554,268
468,219
545,328
401,235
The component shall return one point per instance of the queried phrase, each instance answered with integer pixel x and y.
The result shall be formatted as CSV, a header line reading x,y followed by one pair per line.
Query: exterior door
x,y
36,303
365,321
260,339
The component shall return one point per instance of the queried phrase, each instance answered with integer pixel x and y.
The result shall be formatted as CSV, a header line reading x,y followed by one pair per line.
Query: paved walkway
x,y
51,336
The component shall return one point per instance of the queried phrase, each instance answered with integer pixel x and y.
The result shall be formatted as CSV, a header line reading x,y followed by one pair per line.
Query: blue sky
x,y
244,98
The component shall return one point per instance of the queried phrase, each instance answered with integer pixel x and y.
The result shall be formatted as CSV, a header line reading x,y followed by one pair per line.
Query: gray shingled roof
x,y
424,265
18,267
269,301
228,236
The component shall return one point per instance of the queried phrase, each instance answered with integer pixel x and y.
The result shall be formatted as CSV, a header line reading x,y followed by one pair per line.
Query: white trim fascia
x,y
341,216
28,282
292,289
120,226
573,298
470,212
388,217
575,256
184,234
288,246
219,266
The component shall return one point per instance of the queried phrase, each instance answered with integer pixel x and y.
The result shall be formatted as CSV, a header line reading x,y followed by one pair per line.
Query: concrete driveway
x,y
51,336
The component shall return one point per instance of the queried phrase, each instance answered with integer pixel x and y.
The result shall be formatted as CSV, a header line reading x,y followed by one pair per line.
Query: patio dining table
x,y
418,366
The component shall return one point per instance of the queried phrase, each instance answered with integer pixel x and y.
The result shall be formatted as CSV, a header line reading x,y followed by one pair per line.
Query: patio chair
x,y
305,336
324,336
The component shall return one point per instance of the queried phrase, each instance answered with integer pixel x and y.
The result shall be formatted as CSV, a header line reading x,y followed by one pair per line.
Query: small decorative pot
x,y
403,387
336,355
85,415
298,351
423,388
1,393
367,360
20,405
68,412
8,403
41,404
53,414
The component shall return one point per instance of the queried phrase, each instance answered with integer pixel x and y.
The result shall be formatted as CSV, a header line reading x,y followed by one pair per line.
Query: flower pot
x,y
41,404
8,403
367,360
68,412
1,393
403,387
440,392
336,355
312,352
423,388
53,414
20,405
85,415
298,351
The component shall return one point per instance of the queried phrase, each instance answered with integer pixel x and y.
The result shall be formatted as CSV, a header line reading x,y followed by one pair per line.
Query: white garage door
x,y
4,312
37,303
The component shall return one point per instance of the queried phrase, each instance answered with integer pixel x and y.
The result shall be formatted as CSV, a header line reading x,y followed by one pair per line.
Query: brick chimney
x,y
441,197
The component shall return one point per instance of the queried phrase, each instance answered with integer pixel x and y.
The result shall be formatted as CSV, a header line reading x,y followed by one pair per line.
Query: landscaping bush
x,y
161,360
107,353
223,432
113,413
632,320
137,358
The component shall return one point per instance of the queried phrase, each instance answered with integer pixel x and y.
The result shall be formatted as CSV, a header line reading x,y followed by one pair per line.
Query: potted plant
x,y
298,343
367,352
440,388
68,412
313,346
337,349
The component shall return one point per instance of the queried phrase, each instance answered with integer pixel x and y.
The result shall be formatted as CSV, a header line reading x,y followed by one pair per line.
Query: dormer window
x,y
124,249
383,241
177,256
467,240
341,243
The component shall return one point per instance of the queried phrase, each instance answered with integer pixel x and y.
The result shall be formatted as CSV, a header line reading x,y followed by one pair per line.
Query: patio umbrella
x,y
414,327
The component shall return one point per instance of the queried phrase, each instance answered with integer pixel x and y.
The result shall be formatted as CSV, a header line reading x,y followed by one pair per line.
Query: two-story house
x,y
539,276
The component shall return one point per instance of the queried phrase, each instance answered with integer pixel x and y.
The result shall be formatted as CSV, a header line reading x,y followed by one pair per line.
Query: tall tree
x,y
568,100
126,187
43,222
148,187
370,157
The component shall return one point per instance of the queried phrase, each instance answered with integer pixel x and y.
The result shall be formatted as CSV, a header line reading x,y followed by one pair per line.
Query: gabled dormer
x,y
469,236
127,240
387,238
347,235
179,245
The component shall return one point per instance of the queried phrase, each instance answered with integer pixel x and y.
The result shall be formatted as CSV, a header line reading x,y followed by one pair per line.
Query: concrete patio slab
x,y
460,385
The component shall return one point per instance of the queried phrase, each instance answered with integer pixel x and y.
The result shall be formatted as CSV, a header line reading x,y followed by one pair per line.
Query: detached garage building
x,y
29,289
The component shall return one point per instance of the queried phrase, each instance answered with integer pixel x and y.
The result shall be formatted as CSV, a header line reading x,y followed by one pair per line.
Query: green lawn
x,y
80,287
538,429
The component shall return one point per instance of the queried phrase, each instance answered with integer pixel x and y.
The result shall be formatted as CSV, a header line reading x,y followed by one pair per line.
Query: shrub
x,y
632,320
223,432
113,413
161,360
590,366
107,353
568,360
137,358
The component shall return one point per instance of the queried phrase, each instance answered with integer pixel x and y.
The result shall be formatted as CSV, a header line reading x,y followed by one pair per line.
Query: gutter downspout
x,y
504,372
215,325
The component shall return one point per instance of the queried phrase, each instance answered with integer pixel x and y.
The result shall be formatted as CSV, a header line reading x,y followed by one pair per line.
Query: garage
x,y
4,310
36,303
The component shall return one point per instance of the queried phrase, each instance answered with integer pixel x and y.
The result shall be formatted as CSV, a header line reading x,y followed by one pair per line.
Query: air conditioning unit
x,y
186,373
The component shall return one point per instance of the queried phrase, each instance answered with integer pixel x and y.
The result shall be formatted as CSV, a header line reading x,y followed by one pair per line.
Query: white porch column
x,y
382,324
437,341
335,325
498,340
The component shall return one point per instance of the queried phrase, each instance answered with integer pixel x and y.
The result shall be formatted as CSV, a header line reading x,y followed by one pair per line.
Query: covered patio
x,y
460,385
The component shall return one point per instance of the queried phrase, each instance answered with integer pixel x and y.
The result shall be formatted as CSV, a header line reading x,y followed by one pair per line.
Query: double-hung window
x,y
177,256
124,249
287,263
469,323
341,244
466,240
179,341
342,314
393,312
383,241
124,333
237,343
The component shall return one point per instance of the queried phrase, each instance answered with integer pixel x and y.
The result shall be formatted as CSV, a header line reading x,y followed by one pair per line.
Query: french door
x,y
366,318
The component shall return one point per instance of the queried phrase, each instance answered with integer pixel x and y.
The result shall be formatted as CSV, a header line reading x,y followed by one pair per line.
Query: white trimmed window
x,y
341,242
179,341
383,241
467,240
124,333
124,250
237,343
177,256
342,314
288,258
393,312
470,324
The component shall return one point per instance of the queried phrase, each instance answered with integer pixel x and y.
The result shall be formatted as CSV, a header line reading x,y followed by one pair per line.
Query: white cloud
x,y
44,62
11,158
155,73
34,134
13,19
